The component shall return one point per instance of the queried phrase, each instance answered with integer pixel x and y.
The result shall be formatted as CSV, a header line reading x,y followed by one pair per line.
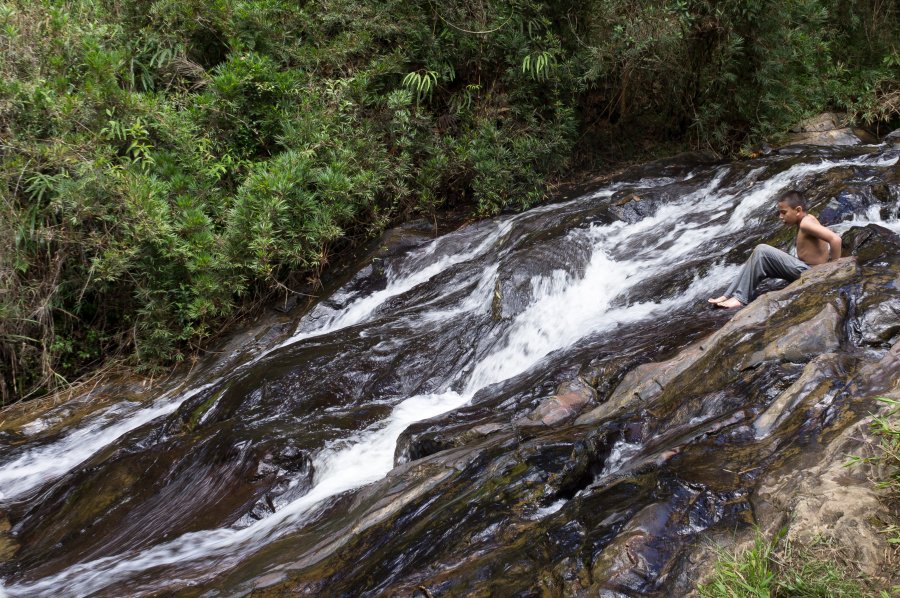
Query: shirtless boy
x,y
815,245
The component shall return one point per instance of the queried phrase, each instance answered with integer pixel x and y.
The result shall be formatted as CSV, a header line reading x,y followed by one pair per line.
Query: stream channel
x,y
312,458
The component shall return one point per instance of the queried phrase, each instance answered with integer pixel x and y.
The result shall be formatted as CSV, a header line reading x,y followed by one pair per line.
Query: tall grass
x,y
778,569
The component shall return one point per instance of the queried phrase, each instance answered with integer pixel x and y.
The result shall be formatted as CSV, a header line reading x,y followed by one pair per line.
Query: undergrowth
x,y
778,569
168,164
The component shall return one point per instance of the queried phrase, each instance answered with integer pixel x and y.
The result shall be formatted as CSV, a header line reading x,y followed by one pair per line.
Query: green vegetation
x,y
167,164
818,570
886,428
763,571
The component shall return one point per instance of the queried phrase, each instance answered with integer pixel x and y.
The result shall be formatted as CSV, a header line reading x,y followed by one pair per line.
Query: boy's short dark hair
x,y
793,198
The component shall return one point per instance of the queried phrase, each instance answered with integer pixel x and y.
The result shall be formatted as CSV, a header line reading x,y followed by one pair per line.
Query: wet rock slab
x,y
695,443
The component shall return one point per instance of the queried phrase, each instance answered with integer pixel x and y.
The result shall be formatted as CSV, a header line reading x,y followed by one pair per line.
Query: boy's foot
x,y
729,303
718,299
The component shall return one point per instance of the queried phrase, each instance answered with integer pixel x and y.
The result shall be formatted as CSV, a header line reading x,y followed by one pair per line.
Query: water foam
x,y
38,465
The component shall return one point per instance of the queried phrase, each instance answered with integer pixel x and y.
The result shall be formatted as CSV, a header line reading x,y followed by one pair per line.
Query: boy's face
x,y
789,215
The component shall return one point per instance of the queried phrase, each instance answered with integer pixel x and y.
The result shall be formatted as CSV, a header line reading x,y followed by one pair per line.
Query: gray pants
x,y
764,262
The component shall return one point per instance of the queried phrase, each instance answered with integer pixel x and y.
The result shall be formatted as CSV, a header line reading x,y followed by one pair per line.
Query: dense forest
x,y
168,165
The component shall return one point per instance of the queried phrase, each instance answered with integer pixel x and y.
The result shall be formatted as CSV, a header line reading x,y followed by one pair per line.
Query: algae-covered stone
x,y
8,545
820,334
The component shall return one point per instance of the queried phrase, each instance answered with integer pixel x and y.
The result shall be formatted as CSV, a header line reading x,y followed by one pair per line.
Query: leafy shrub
x,y
166,165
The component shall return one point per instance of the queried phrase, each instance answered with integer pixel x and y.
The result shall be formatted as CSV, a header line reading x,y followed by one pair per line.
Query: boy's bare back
x,y
812,247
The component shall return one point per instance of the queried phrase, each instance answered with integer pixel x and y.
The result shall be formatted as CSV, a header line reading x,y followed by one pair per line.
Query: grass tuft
x,y
776,569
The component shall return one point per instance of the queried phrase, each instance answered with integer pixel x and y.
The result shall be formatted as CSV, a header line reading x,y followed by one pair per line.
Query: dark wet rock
x,y
604,374
853,201
676,167
121,504
383,256
493,410
871,242
816,377
419,441
507,406
848,192
540,249
802,342
880,324
637,562
634,205
288,473
654,290
522,271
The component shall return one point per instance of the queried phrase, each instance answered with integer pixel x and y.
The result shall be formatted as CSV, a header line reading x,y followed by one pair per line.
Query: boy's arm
x,y
813,228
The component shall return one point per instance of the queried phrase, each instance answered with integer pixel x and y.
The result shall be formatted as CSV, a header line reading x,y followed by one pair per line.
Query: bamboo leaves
x,y
139,148
539,65
422,83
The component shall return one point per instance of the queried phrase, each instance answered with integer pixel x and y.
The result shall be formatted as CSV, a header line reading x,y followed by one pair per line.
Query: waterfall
x,y
564,308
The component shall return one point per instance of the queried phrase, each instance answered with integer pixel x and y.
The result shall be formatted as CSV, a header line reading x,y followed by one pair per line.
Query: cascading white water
x,y
365,306
872,214
38,465
564,309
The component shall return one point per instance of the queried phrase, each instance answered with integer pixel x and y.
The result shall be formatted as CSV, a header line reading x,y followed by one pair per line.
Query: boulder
x,y
827,129
870,242
791,338
832,138
570,398
521,273
879,325
804,341
632,206
818,372
827,121
853,202
892,138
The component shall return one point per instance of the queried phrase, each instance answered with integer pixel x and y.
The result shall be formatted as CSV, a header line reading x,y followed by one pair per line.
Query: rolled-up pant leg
x,y
764,262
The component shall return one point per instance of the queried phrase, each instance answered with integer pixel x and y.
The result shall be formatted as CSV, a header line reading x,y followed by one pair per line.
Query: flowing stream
x,y
560,275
